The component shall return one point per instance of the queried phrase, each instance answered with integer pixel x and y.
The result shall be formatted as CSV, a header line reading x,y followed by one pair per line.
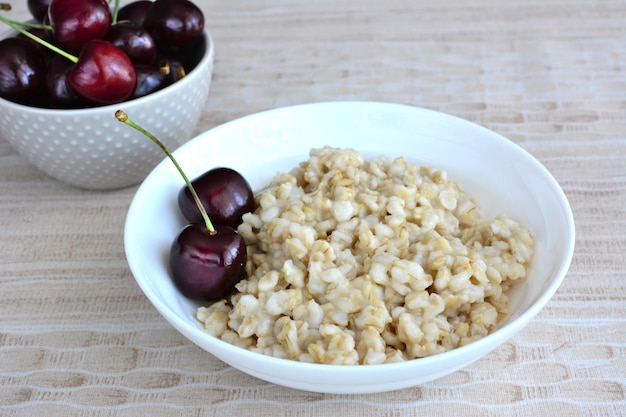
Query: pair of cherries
x,y
208,257
100,56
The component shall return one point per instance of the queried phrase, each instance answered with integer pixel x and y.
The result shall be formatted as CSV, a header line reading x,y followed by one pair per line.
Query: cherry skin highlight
x,y
21,70
134,40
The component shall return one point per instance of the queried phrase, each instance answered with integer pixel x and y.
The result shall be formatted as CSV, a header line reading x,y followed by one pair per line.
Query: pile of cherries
x,y
86,53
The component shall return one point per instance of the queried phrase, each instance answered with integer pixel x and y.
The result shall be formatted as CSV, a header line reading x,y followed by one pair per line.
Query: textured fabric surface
x,y
78,337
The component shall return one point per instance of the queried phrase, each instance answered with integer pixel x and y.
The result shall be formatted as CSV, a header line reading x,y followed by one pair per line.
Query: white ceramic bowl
x,y
89,148
499,174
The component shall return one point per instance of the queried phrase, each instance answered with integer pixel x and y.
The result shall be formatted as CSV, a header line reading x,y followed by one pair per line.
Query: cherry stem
x,y
116,9
123,117
20,28
165,68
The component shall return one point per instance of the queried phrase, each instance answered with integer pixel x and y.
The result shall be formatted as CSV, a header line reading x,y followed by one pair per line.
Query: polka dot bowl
x,y
89,148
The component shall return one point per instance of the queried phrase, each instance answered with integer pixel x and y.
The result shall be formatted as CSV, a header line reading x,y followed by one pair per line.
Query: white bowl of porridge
x,y
391,245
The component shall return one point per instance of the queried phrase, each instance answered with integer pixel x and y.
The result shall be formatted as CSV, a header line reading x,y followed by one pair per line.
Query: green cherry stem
x,y
20,28
116,10
123,117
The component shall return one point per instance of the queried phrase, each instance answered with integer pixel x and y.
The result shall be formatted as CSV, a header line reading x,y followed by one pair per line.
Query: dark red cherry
x,y
194,55
46,52
103,74
225,195
59,94
38,8
206,266
175,25
76,22
134,40
21,70
134,12
150,78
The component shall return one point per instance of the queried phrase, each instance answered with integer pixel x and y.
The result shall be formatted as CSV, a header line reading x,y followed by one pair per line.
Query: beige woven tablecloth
x,y
78,337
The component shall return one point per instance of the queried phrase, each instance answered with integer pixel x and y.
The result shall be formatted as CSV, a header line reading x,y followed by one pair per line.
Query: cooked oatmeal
x,y
355,261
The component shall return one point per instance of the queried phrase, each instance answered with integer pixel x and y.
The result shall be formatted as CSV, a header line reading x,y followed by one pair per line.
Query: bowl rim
x,y
483,345
206,60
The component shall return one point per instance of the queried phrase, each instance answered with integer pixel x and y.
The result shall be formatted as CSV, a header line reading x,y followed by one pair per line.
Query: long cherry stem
x,y
123,117
20,28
